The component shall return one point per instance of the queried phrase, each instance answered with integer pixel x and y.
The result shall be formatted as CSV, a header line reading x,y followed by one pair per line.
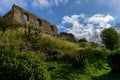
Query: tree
x,y
117,26
110,38
83,40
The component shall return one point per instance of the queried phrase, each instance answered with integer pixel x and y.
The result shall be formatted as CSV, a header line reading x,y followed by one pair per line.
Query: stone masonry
x,y
21,16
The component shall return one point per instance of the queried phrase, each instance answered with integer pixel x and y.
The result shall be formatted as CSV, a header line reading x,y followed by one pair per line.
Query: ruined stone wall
x,y
9,16
21,16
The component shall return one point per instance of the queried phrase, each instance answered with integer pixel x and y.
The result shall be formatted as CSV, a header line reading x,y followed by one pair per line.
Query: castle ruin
x,y
21,16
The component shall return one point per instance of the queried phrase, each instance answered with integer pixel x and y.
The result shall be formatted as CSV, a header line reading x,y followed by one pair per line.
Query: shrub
x,y
96,53
114,60
31,34
83,40
54,55
78,59
15,65
81,56
83,44
31,31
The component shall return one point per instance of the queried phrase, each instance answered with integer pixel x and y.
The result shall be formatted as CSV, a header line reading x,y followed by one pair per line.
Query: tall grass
x,y
68,53
12,39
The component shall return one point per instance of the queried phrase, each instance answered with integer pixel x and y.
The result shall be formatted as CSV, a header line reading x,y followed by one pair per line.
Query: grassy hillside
x,y
64,60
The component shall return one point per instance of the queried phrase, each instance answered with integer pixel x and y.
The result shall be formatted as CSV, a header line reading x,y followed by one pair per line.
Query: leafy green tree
x,y
83,40
110,38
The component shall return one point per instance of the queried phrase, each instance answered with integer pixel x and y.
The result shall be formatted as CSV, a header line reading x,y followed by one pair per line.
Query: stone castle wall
x,y
22,16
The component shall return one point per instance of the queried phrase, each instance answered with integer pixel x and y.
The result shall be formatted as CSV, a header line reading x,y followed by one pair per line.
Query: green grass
x,y
21,65
12,39
62,68
66,71
95,70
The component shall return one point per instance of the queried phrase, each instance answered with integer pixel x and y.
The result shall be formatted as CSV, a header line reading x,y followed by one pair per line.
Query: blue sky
x,y
83,18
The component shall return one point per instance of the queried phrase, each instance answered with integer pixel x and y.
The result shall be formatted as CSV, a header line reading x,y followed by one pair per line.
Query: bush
x,y
16,65
78,59
114,60
54,55
83,55
96,53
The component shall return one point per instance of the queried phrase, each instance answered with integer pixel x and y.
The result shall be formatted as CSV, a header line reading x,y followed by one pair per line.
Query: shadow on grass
x,y
109,76
65,71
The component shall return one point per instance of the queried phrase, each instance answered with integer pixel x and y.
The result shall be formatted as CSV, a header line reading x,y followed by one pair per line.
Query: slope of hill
x,y
64,60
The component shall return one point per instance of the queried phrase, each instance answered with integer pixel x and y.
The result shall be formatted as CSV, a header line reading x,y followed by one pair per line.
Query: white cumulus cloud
x,y
101,20
86,27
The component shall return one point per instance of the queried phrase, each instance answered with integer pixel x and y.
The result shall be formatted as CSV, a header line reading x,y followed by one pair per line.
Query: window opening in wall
x,y
52,28
38,22
26,17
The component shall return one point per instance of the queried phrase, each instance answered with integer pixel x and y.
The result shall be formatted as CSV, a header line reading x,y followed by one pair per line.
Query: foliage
x,y
114,60
90,45
78,58
83,40
108,76
31,33
54,55
63,58
16,65
96,53
12,39
63,70
110,38
81,56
